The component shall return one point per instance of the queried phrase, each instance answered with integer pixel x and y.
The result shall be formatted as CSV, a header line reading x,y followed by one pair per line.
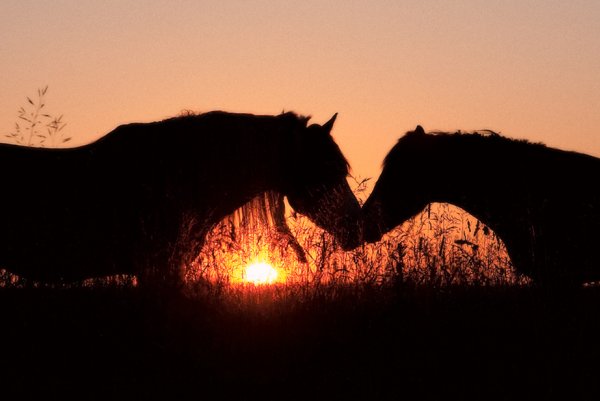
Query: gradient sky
x,y
528,69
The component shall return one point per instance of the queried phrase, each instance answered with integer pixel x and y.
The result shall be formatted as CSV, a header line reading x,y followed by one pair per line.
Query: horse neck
x,y
259,168
242,166
480,183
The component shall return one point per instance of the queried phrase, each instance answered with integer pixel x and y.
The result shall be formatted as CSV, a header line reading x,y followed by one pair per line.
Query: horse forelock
x,y
266,208
266,211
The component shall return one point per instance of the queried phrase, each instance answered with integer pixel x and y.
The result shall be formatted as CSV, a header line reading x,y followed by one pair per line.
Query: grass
x,y
440,247
464,342
35,127
432,312
437,313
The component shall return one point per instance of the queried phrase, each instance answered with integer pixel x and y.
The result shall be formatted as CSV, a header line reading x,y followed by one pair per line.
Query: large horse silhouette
x,y
142,198
544,203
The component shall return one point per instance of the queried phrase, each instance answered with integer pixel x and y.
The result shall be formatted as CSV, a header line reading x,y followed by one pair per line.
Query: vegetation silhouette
x,y
35,127
544,203
141,199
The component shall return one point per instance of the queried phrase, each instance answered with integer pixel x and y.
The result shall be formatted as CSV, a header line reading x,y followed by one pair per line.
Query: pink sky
x,y
529,69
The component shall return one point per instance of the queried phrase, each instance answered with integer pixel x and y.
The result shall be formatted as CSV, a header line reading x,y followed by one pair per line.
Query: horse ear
x,y
419,130
329,124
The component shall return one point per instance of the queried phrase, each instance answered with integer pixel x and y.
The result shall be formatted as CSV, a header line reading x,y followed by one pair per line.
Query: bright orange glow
x,y
260,273
257,255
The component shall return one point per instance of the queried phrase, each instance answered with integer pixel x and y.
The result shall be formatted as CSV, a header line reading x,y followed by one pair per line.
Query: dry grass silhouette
x,y
36,127
444,246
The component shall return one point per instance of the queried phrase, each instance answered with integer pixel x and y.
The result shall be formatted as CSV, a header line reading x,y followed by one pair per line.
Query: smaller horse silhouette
x,y
544,203
141,199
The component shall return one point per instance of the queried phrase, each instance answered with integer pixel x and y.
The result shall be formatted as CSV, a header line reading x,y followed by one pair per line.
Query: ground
x,y
376,344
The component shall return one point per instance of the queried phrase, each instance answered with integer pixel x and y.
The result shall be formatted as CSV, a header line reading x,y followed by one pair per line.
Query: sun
x,y
260,273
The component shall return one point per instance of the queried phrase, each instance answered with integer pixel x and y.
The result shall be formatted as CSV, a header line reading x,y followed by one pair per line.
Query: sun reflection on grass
x,y
260,273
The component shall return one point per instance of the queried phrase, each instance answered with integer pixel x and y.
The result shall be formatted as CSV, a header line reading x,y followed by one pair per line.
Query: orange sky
x,y
529,69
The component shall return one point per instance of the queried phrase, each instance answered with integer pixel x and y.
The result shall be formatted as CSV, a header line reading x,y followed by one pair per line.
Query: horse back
x,y
67,213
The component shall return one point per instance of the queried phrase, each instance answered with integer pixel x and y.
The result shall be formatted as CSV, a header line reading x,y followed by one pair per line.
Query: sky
x,y
526,69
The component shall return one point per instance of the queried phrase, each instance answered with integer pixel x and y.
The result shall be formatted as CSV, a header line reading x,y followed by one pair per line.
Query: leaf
x,y
66,140
29,100
45,90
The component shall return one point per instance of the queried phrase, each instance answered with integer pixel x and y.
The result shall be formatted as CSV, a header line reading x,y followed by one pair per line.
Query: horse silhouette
x,y
544,203
141,199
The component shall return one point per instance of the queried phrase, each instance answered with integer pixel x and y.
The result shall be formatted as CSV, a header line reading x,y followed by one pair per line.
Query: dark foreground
x,y
460,343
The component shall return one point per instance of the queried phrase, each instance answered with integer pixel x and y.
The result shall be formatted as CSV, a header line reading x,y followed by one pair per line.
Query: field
x,y
344,343
433,312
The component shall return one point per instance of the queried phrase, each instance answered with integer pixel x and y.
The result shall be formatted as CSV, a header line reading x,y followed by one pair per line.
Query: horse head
x,y
316,185
391,204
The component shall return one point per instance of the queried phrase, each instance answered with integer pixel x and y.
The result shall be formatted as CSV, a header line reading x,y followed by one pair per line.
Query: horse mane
x,y
484,136
266,210
286,116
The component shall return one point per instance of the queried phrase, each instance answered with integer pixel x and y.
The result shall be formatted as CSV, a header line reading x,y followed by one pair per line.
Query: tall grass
x,y
443,246
36,127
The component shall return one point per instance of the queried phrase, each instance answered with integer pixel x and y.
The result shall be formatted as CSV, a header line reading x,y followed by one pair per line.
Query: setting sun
x,y
260,273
